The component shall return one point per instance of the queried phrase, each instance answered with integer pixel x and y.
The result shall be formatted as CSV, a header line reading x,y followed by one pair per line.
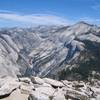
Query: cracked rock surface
x,y
25,89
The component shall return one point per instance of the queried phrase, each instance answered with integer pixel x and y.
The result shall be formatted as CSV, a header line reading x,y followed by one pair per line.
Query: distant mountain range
x,y
60,52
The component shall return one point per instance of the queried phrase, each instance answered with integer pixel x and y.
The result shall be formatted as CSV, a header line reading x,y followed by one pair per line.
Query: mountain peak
x,y
83,23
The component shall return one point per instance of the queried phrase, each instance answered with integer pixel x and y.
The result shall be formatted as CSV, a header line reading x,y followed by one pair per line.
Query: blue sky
x,y
32,12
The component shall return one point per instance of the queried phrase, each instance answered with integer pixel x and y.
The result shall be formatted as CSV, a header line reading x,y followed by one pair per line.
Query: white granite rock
x,y
37,80
54,83
8,85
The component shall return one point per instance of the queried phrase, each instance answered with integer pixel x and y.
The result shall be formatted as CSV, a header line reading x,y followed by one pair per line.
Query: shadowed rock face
x,y
52,51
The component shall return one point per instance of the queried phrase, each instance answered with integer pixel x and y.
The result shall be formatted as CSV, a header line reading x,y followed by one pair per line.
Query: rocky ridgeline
x,y
35,88
60,52
63,53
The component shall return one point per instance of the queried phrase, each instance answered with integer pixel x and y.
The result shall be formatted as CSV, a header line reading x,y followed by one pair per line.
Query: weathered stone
x,y
25,79
98,97
26,88
38,96
59,95
46,90
37,80
54,83
16,95
7,86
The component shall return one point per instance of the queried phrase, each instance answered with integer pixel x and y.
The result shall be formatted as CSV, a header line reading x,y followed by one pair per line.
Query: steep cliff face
x,y
61,52
68,54
8,56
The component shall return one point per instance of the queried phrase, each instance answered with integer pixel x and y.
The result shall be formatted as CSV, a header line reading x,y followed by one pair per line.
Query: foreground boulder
x,y
16,95
26,88
47,89
37,80
7,86
25,80
42,93
53,83
59,95
38,96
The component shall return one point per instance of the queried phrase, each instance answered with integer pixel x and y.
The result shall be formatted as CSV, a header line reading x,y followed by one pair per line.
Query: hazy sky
x,y
31,12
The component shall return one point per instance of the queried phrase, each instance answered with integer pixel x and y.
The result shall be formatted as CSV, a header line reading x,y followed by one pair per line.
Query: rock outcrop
x,y
26,89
